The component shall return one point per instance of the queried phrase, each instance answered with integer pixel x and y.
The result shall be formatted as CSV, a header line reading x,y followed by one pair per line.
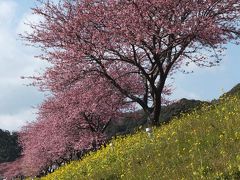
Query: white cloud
x,y
13,122
16,60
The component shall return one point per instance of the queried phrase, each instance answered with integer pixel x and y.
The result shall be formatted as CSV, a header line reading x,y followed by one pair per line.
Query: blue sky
x,y
16,60
210,83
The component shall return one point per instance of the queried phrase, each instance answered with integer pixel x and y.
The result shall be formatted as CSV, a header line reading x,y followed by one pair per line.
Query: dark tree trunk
x,y
156,111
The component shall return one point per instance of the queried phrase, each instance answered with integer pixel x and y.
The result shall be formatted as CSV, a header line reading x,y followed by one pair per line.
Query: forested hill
x,y
131,121
9,149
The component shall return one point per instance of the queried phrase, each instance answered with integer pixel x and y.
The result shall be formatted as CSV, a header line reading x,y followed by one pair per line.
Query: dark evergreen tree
x,y
9,148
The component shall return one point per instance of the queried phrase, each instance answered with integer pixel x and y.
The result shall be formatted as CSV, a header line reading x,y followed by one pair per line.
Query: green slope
x,y
202,145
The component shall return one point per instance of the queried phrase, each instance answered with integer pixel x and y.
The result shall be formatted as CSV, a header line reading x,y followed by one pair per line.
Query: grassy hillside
x,y
202,145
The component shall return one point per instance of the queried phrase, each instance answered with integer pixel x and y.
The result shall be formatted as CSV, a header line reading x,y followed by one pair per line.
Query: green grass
x,y
202,145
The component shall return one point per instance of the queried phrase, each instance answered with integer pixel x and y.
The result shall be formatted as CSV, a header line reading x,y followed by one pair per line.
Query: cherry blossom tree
x,y
11,170
149,40
68,123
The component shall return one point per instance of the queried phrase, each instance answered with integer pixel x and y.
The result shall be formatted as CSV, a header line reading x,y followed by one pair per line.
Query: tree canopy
x,y
134,45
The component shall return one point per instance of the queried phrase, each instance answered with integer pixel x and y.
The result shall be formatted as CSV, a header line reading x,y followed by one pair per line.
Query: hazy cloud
x,y
7,11
14,122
